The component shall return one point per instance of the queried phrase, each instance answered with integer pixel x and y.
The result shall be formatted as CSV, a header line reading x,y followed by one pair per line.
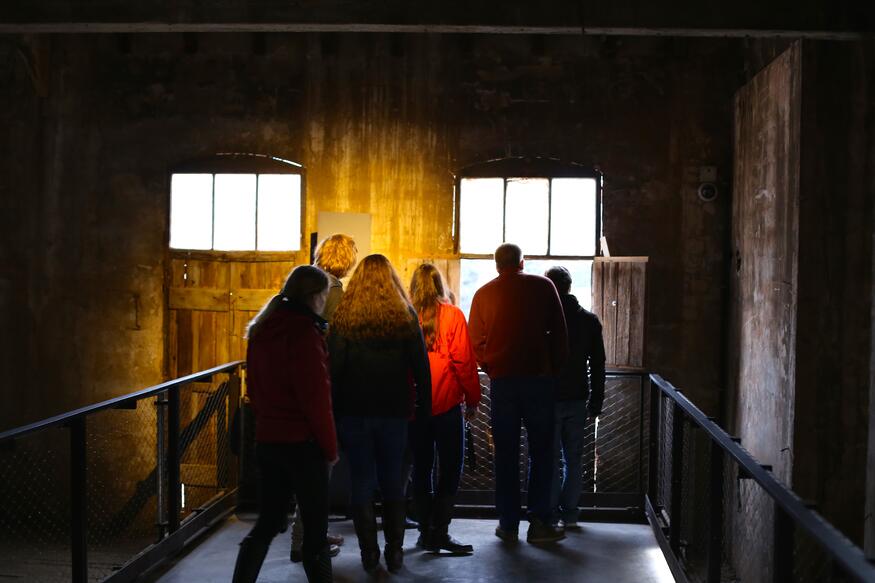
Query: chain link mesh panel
x,y
205,456
35,507
612,457
122,485
126,482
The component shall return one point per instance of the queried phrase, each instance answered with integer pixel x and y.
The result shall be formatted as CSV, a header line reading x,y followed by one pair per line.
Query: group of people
x,y
376,367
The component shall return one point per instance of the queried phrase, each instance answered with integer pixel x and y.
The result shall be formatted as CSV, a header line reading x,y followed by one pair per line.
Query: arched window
x,y
551,209
237,202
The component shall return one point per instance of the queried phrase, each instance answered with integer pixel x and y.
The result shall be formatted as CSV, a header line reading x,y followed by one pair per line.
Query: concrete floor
x,y
600,552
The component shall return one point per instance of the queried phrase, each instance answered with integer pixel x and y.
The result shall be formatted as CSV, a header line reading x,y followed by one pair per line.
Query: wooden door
x,y
210,303
618,299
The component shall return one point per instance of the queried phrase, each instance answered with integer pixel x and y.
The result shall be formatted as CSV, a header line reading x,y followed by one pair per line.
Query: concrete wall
x,y
380,122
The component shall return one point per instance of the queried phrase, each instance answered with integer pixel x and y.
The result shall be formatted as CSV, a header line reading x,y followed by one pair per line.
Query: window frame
x,y
239,163
510,168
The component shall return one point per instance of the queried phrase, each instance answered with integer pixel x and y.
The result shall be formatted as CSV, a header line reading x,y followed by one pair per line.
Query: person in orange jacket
x,y
454,380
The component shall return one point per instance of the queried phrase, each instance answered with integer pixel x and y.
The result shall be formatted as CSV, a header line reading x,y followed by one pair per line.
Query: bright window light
x,y
526,214
572,219
191,211
581,275
480,214
234,213
279,212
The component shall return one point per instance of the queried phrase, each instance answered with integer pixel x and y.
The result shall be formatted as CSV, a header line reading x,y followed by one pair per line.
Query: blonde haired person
x,y
335,255
454,381
380,380
296,440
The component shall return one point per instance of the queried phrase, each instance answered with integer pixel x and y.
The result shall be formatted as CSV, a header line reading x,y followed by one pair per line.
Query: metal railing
x,y
104,492
615,457
722,516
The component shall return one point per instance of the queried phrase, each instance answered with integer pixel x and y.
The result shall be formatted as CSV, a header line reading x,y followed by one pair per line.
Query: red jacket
x,y
517,326
288,382
453,365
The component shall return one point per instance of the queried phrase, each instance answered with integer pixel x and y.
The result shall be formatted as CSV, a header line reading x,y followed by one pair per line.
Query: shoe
x,y
410,524
318,569
542,533
334,539
446,542
297,555
365,522
570,525
440,539
394,512
508,536
424,541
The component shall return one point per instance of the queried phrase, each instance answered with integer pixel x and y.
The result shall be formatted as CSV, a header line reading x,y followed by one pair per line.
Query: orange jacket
x,y
453,365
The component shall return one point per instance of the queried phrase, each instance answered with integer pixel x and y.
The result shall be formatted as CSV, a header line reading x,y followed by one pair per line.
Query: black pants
x,y
287,468
444,434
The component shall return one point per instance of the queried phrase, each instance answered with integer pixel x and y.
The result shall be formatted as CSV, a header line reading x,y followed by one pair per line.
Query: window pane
x,y
572,220
191,211
581,276
473,274
235,212
480,214
526,214
279,212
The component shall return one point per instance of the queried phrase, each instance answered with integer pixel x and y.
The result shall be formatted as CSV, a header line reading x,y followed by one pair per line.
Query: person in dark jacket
x,y
290,392
335,255
454,381
579,397
380,380
519,336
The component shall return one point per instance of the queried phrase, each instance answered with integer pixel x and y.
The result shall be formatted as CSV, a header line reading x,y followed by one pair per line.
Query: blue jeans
x,y
568,453
530,401
444,434
375,447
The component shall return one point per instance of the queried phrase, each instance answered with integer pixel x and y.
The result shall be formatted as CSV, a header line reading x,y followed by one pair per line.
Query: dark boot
x,y
423,503
249,559
318,569
365,522
441,539
394,513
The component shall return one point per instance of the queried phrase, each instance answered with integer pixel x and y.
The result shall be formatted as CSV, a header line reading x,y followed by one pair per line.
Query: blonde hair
x,y
336,255
303,282
427,292
374,305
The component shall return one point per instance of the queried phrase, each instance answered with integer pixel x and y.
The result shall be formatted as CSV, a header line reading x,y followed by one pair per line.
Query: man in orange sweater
x,y
518,332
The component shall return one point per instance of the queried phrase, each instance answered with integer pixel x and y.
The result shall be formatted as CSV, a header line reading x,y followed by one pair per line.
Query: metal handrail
x,y
841,549
66,418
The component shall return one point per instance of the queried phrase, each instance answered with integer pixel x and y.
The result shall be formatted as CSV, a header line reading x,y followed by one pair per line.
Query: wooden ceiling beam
x,y
291,27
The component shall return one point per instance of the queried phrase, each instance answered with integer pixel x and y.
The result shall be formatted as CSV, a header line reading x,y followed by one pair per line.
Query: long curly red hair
x,y
374,305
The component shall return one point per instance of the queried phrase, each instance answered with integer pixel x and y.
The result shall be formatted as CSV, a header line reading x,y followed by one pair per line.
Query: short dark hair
x,y
508,255
560,277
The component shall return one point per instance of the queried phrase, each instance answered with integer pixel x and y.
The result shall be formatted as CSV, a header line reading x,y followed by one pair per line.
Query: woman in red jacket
x,y
290,391
454,380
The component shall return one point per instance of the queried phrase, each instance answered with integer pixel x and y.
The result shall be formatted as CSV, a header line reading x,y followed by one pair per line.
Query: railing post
x,y
173,457
783,545
78,501
677,463
655,428
642,487
161,462
715,514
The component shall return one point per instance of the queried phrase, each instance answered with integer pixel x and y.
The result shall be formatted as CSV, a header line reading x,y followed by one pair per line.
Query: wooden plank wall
x,y
619,288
